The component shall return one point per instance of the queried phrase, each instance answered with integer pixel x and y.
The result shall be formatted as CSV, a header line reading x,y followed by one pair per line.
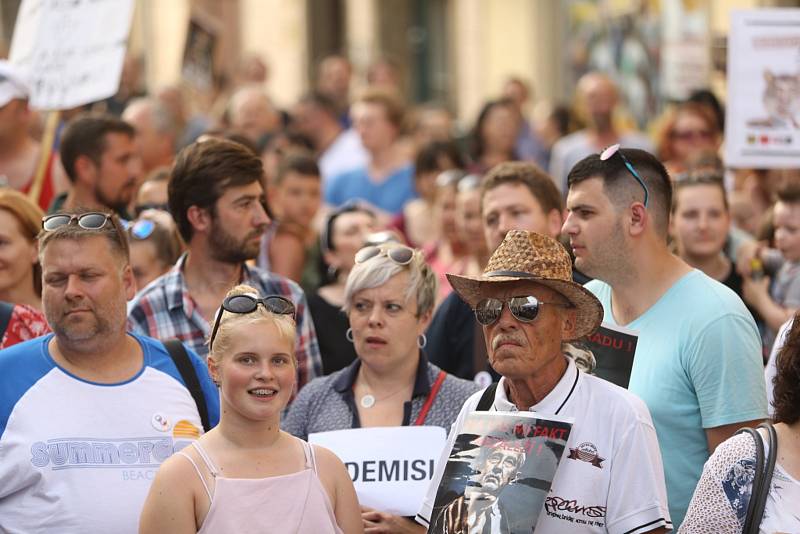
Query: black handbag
x,y
763,476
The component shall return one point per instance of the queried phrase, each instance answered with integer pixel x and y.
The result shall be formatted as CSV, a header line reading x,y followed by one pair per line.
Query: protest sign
x,y
609,353
390,466
499,472
71,52
762,125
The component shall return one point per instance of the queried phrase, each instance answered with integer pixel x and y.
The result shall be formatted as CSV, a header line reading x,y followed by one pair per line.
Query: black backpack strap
x,y
181,358
766,479
487,399
751,524
6,311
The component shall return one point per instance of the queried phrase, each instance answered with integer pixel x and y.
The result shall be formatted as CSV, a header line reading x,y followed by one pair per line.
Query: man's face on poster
x,y
500,468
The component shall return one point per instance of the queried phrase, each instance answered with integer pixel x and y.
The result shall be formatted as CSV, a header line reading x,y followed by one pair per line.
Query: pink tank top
x,y
288,503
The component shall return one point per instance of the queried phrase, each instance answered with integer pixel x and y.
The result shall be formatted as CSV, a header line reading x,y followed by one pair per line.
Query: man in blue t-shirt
x,y
87,414
698,359
387,181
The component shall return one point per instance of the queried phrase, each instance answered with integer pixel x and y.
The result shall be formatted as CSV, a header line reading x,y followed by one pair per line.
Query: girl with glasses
x,y
246,475
155,247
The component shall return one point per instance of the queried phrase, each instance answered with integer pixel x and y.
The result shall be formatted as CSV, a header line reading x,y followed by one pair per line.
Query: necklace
x,y
368,400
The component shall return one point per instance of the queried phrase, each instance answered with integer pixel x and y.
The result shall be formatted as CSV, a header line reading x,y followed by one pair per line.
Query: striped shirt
x,y
165,310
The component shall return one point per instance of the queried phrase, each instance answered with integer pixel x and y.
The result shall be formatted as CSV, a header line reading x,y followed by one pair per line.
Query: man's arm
x,y
718,434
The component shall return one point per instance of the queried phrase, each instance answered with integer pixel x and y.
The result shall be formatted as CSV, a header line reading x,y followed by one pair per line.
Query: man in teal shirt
x,y
698,360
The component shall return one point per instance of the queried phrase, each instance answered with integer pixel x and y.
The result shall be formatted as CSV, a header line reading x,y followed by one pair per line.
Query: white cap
x,y
12,84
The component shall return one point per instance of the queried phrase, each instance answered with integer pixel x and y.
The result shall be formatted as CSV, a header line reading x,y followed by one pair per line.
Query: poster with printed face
x,y
72,52
499,473
762,126
391,467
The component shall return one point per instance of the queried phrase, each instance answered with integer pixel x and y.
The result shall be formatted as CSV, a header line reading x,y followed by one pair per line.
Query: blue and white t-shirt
x,y
77,456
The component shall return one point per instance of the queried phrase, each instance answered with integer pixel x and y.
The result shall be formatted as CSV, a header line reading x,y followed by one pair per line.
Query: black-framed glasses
x,y
523,308
609,152
142,229
93,220
400,254
247,304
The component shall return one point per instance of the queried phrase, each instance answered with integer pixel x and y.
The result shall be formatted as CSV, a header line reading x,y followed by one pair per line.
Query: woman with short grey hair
x,y
389,300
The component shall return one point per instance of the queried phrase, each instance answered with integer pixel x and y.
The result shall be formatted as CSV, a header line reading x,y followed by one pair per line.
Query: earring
x,y
422,340
349,335
332,270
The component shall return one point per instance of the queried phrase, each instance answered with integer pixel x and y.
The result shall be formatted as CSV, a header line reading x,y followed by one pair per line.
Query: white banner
x,y
762,126
71,52
390,466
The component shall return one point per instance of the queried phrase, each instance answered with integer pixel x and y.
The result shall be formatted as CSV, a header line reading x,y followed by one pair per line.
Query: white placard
x,y
71,52
762,126
390,466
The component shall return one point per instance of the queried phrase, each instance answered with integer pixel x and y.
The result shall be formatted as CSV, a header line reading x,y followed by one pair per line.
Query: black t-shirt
x,y
331,325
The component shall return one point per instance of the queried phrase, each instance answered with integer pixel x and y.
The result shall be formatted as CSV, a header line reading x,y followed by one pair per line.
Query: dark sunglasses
x,y
400,254
525,309
87,221
248,304
609,152
142,229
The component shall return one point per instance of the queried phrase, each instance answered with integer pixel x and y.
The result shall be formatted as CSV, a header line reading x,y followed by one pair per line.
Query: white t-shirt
x,y
345,154
79,457
621,490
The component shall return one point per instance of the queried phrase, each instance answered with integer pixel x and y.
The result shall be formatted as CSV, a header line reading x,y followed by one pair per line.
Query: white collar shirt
x,y
610,479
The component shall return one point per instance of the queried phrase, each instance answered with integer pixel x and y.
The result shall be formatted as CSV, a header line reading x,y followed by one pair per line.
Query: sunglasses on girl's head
x,y
142,229
248,304
525,309
614,149
87,221
400,254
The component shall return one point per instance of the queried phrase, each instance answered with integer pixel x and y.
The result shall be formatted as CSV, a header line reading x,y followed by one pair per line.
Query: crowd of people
x,y
194,294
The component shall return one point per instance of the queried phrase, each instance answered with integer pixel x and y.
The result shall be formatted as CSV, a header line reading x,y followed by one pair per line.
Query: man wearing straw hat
x,y
610,479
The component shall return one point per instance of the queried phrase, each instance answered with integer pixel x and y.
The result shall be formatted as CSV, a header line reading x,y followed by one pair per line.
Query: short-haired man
x,y
698,358
514,196
529,307
387,181
88,413
253,115
599,97
339,150
157,132
216,198
99,155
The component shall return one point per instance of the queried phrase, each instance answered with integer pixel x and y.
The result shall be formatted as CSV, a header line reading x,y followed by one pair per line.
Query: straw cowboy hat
x,y
537,258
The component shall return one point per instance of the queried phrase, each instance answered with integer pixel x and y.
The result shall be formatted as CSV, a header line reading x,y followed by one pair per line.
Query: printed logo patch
x,y
586,452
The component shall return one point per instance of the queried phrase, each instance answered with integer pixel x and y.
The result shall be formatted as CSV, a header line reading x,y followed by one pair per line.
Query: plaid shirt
x,y
165,310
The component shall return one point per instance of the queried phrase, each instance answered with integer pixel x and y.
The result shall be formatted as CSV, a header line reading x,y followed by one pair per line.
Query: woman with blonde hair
x,y
246,475
389,298
20,273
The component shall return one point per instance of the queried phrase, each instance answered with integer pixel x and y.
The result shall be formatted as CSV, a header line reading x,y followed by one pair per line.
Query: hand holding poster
x,y
762,125
72,52
390,466
499,473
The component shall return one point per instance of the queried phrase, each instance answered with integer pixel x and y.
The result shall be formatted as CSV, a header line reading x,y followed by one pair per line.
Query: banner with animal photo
x,y
499,473
391,467
762,126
